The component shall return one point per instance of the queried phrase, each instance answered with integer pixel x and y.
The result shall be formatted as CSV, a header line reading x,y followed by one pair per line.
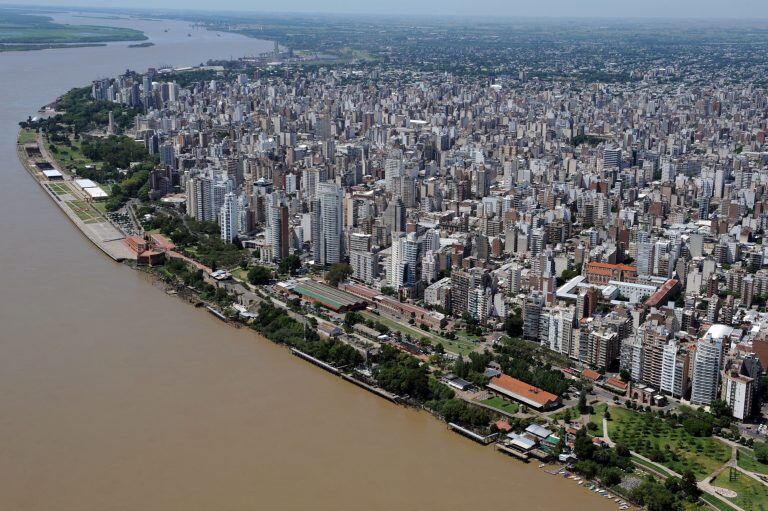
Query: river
x,y
115,396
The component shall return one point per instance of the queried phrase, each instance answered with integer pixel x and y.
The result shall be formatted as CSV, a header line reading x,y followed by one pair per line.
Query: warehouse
x,y
327,296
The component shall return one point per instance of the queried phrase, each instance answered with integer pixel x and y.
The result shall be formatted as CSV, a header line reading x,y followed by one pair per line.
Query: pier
x,y
484,440
316,361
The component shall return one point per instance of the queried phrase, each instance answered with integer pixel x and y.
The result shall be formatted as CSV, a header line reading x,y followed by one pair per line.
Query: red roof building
x,y
523,392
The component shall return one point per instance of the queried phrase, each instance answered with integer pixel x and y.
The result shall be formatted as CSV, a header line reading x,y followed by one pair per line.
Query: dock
x,y
316,361
370,388
513,452
216,313
484,440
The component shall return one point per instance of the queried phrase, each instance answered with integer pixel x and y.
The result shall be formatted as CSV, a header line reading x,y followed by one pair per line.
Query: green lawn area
x,y
653,468
84,211
596,417
454,346
751,495
68,157
717,503
567,414
502,405
59,188
240,274
747,461
27,136
673,448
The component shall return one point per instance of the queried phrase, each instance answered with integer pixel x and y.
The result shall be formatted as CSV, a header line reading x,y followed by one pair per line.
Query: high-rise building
x,y
168,156
532,308
477,304
674,370
706,370
278,231
201,200
328,249
394,216
403,261
361,259
611,157
229,217
741,385
429,267
461,282
706,193
393,171
645,258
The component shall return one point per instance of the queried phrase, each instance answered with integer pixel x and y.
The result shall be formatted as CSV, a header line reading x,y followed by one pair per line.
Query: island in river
x,y
25,32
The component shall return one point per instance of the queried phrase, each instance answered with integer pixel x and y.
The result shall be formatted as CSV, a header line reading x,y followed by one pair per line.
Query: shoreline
x,y
107,244
193,297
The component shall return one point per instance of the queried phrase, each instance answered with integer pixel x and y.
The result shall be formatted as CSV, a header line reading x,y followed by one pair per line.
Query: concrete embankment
x,y
99,231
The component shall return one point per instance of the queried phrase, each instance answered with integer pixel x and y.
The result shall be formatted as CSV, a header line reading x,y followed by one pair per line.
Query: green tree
x,y
259,275
689,487
290,264
761,452
337,273
352,318
582,406
583,447
720,408
513,325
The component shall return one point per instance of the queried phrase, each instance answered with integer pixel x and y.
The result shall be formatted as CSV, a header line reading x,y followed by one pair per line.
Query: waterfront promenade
x,y
75,204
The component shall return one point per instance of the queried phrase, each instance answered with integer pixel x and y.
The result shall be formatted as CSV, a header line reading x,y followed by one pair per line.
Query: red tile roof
x,y
522,391
616,383
590,374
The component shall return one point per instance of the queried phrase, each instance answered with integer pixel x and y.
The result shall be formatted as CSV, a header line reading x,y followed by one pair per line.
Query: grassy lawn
x,y
59,188
653,468
502,405
69,157
751,495
240,274
567,414
27,136
454,346
747,461
84,211
717,503
596,417
674,448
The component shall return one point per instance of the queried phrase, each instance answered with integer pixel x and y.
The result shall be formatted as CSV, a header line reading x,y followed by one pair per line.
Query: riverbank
x,y
38,47
59,185
24,145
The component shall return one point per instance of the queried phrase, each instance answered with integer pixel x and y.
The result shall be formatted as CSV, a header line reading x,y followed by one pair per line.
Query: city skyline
x,y
554,9
549,233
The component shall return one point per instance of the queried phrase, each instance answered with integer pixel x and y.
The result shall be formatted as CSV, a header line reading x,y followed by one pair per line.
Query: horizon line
x,y
452,16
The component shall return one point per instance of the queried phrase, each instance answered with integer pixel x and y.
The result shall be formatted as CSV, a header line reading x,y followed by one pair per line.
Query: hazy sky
x,y
566,8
